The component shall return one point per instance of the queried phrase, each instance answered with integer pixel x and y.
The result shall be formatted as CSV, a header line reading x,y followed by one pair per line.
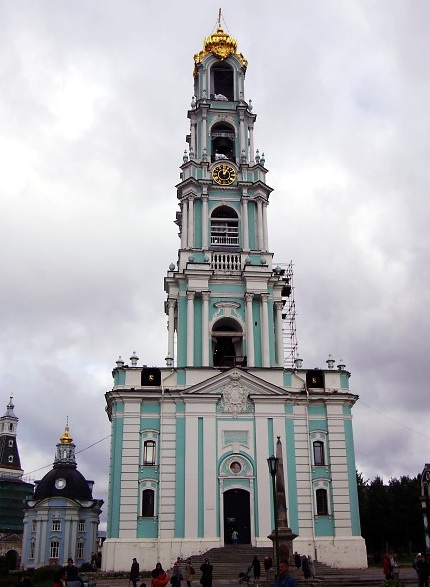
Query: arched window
x,y
227,344
318,450
322,502
224,227
222,82
149,452
32,549
148,501
10,459
222,140
11,427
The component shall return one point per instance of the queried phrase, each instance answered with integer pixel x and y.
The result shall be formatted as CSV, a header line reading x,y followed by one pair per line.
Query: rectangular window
x,y
80,551
81,525
322,502
148,503
149,452
10,443
54,549
33,525
318,447
32,548
56,526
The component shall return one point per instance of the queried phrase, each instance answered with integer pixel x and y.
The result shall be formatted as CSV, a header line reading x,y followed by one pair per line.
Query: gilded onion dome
x,y
65,438
221,45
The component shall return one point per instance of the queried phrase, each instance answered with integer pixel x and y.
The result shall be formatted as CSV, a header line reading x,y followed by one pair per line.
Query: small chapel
x,y
191,439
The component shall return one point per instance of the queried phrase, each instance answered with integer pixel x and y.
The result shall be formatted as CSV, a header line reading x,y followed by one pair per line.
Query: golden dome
x,y
221,45
65,438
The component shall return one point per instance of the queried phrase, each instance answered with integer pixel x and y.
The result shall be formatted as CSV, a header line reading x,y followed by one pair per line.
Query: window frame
x,y
54,549
322,502
147,443
81,526
80,550
318,446
150,513
55,525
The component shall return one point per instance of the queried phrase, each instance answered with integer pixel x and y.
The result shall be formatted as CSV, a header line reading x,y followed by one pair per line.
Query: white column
x,y
279,334
241,134
265,238
251,145
204,131
245,226
190,222
190,328
193,143
171,332
205,328
259,224
265,330
250,353
205,244
184,231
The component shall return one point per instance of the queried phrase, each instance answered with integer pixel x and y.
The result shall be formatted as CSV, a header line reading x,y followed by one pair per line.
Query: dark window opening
x,y
148,503
322,502
318,447
149,452
223,82
315,378
222,137
227,345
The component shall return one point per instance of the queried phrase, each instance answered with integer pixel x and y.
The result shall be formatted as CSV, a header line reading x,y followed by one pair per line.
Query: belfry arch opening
x,y
222,82
227,341
224,227
222,139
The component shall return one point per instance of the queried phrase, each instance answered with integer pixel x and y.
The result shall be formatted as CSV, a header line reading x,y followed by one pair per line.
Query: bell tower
x,y
224,298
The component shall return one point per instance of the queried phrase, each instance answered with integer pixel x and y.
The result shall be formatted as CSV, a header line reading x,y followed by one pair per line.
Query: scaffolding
x,y
288,316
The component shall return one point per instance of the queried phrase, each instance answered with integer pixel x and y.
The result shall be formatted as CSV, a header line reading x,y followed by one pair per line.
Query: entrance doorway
x,y
237,515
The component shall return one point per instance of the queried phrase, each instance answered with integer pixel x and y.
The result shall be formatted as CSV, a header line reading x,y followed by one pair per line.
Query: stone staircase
x,y
228,562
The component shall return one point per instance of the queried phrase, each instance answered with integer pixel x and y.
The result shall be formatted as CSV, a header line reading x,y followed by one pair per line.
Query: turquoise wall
x,y
291,474
198,351
201,494
115,471
182,332
180,471
352,479
197,224
257,332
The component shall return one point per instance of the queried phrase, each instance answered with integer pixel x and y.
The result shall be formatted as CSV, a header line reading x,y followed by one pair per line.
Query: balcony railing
x,y
226,262
224,240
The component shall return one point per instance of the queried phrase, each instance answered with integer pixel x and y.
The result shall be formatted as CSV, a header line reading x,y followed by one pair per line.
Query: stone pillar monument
x,y
285,535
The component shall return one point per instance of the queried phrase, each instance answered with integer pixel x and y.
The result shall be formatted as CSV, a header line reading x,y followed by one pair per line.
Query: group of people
x,y
391,566
70,573
182,571
306,564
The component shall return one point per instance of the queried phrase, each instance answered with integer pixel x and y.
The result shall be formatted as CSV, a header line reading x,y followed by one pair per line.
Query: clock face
x,y
224,174
60,483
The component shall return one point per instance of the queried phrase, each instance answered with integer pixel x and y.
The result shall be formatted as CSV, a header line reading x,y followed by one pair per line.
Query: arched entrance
x,y
237,515
227,344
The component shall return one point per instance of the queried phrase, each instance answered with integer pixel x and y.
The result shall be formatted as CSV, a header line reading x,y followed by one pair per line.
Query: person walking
x,y
422,568
177,573
305,567
134,572
285,579
206,569
235,538
189,572
297,560
256,566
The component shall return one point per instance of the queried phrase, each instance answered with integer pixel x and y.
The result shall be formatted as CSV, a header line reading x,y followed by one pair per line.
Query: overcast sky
x,y
93,119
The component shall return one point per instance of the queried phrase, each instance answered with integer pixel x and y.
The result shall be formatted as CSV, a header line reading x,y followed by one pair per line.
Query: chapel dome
x,y
63,482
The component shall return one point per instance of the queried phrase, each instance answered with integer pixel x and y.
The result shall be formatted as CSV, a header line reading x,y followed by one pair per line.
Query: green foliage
x,y
86,568
391,515
391,583
44,574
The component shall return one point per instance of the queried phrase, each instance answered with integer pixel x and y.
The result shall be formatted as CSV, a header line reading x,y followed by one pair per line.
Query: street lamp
x,y
272,463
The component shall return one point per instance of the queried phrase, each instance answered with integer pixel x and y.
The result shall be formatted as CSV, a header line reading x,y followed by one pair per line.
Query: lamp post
x,y
272,462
